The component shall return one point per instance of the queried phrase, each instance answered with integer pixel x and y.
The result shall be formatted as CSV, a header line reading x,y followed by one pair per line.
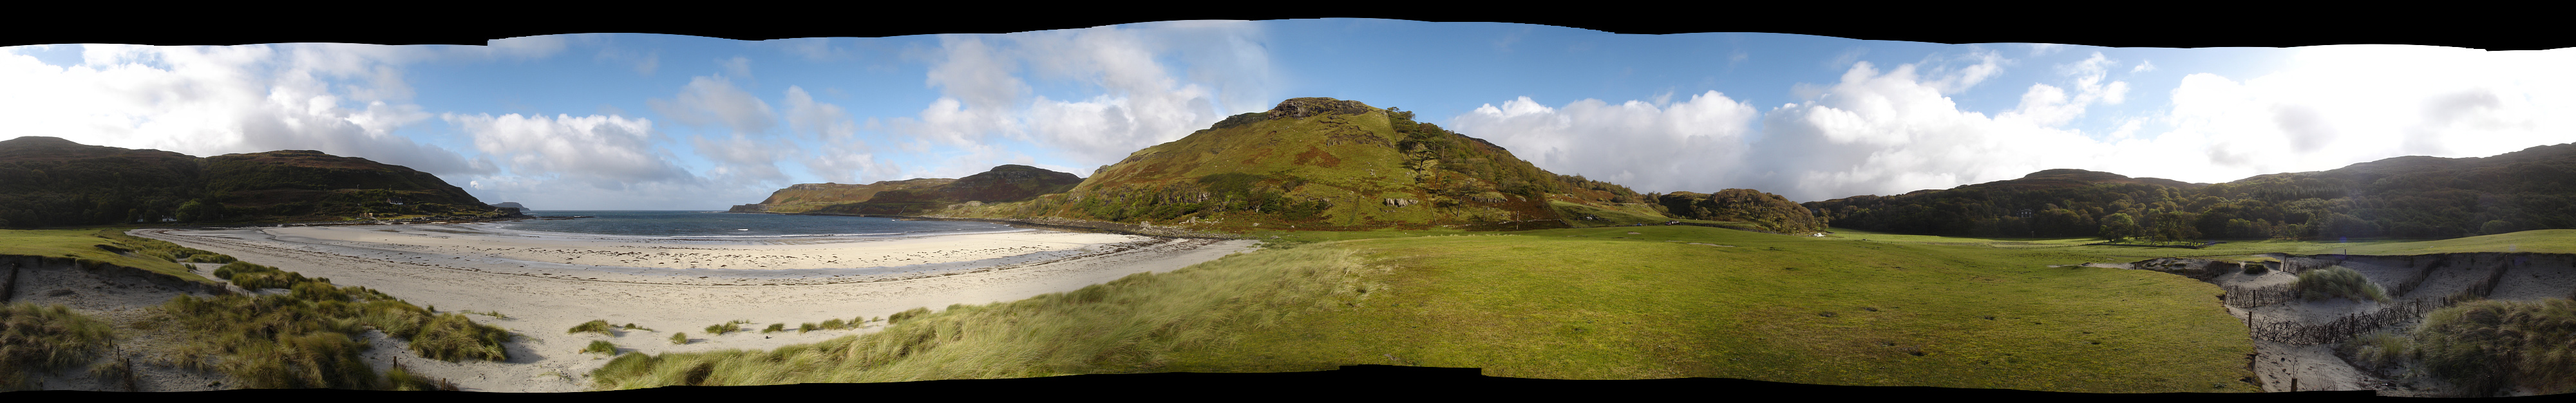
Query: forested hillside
x,y
2409,197
49,182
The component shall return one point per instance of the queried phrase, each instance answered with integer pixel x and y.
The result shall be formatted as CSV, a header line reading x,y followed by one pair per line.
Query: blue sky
x,y
641,121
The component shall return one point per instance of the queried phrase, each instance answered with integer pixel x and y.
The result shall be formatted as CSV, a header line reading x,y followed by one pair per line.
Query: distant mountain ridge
x,y
2410,197
1006,183
805,197
49,181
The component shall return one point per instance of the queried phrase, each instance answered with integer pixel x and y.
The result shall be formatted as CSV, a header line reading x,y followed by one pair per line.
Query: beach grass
x,y
2485,346
1127,323
2337,282
600,346
46,338
679,338
309,337
599,326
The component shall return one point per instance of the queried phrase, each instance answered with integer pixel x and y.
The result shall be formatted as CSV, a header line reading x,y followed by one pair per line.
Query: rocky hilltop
x,y
48,181
804,197
1325,163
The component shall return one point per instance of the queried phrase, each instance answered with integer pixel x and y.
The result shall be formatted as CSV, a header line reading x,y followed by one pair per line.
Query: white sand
x,y
548,284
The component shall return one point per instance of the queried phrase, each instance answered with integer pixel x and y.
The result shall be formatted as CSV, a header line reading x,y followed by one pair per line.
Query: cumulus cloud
x,y
341,99
1135,98
2047,105
1894,131
607,152
1674,146
708,100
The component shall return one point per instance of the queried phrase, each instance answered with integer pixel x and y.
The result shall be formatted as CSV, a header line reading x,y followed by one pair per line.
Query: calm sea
x,y
718,225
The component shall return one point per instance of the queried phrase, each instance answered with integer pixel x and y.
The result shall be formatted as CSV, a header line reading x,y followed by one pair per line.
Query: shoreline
x,y
1059,224
540,302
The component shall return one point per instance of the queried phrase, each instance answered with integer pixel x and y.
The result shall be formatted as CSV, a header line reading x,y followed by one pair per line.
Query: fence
x,y
2239,296
2344,328
2421,274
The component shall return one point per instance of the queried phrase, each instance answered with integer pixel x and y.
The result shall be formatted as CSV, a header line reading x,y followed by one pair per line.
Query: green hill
x,y
805,197
1005,183
50,182
2402,197
1322,163
1770,212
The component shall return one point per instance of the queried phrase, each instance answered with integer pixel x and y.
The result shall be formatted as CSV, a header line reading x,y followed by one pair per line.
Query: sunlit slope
x,y
1322,163
2535,241
1605,304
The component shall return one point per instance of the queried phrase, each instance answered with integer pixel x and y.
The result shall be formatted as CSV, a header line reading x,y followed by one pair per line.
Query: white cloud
x,y
1134,97
606,152
842,157
1894,132
2043,49
1679,146
738,66
2143,66
205,100
713,100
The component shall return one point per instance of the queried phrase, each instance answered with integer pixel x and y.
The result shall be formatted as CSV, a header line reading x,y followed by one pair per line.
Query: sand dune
x,y
548,284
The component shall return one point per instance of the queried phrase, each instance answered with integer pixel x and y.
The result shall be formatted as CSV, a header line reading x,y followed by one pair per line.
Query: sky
x,y
670,122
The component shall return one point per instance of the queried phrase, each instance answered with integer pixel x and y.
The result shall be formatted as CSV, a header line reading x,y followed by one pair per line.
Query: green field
x,y
1604,304
83,244
1595,303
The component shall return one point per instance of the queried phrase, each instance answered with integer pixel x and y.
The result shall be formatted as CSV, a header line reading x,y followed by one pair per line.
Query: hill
x,y
1770,212
805,197
1006,183
48,182
1327,163
2403,197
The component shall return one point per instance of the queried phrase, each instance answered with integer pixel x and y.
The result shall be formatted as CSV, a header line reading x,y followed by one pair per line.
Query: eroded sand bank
x,y
545,285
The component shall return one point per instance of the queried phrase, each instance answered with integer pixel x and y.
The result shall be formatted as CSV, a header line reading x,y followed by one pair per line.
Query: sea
x,y
717,225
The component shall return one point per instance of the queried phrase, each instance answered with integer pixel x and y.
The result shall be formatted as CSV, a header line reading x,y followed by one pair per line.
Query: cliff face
x,y
46,181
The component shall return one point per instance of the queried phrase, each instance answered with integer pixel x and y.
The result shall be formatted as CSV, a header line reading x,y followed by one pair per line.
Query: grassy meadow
x,y
109,246
1596,303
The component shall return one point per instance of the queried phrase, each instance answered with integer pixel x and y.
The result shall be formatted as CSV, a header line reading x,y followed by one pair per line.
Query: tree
x,y
2119,226
2493,227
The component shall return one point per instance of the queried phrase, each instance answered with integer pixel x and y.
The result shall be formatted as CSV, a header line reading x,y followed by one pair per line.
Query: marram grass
x,y
46,338
1124,324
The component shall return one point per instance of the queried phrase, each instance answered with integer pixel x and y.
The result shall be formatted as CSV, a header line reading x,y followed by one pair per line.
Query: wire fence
x,y
2346,327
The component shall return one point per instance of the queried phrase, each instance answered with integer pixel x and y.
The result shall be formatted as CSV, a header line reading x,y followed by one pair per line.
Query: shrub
x,y
2337,282
774,327
593,326
679,338
808,327
45,338
2485,346
600,346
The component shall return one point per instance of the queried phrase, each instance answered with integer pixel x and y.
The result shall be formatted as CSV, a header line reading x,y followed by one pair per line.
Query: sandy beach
x,y
542,285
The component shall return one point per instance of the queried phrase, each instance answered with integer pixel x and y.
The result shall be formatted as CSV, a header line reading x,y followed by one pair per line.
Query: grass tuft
x,y
2485,346
835,324
808,327
600,346
44,339
599,326
2337,282
679,338
774,328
